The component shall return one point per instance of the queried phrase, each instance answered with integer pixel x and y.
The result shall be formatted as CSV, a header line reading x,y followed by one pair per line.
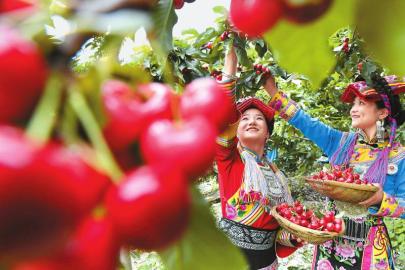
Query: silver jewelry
x,y
380,131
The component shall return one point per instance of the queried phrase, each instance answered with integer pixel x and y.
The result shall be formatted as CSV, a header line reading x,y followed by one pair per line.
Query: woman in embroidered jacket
x,y
249,184
372,154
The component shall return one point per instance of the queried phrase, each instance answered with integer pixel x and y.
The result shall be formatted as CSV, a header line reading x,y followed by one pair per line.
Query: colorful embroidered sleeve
x,y
226,138
284,106
390,207
327,138
284,246
284,238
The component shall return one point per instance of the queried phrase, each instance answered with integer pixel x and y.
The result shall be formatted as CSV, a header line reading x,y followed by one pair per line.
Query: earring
x,y
380,131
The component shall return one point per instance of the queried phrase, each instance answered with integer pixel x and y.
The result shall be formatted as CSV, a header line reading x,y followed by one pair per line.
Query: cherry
x,y
205,97
93,246
150,208
330,227
129,113
16,5
337,227
178,4
304,11
255,17
360,66
189,145
20,84
45,187
224,35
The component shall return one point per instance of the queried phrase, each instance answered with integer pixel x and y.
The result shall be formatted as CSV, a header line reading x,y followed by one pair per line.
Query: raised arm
x,y
327,138
227,140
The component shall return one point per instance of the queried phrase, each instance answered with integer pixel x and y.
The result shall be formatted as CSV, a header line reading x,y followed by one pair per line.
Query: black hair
x,y
382,87
271,127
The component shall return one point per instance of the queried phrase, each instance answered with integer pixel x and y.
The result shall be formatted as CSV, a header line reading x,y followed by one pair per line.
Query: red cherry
x,y
178,4
337,227
93,246
129,113
255,17
189,145
329,217
304,11
16,5
23,73
308,214
205,97
39,186
304,223
258,72
150,208
338,221
299,209
224,36
330,227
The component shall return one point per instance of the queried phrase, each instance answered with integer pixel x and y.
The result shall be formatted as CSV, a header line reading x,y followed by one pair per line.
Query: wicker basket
x,y
311,236
340,191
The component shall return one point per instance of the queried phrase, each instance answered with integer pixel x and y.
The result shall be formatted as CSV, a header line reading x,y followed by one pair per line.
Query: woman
x,y
373,154
249,184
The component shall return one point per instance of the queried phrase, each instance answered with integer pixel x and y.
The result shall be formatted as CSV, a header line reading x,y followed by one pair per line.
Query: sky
x,y
198,15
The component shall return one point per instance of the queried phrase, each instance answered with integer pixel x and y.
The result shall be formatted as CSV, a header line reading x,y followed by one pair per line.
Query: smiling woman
x,y
250,185
372,153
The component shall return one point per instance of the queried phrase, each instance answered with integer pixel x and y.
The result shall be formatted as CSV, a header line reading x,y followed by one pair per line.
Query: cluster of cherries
x,y
55,203
178,4
259,69
345,46
217,74
298,214
255,17
340,175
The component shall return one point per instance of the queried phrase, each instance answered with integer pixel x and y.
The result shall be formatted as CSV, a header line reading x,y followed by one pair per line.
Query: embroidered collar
x,y
363,139
256,156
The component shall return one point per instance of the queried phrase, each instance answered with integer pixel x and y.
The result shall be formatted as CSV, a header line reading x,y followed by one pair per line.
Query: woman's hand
x,y
375,199
270,86
298,242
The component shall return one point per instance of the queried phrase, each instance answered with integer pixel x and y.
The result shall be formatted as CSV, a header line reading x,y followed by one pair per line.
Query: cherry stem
x,y
92,128
44,118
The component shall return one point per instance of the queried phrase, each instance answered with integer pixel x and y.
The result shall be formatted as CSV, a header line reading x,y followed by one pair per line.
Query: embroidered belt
x,y
247,237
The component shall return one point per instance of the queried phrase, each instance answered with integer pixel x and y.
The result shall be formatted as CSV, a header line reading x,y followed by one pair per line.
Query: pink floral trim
x,y
324,264
368,249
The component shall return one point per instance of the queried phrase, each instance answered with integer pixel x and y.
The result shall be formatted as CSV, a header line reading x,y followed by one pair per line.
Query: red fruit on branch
x,y
42,196
129,113
255,17
224,35
178,4
23,73
304,11
189,145
205,97
93,246
360,66
150,208
16,5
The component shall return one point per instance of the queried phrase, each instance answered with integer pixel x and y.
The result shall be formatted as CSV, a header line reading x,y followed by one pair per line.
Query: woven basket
x,y
345,192
311,236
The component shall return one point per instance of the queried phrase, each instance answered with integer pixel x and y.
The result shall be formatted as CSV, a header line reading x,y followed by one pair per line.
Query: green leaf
x,y
304,48
164,19
220,10
381,24
203,246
